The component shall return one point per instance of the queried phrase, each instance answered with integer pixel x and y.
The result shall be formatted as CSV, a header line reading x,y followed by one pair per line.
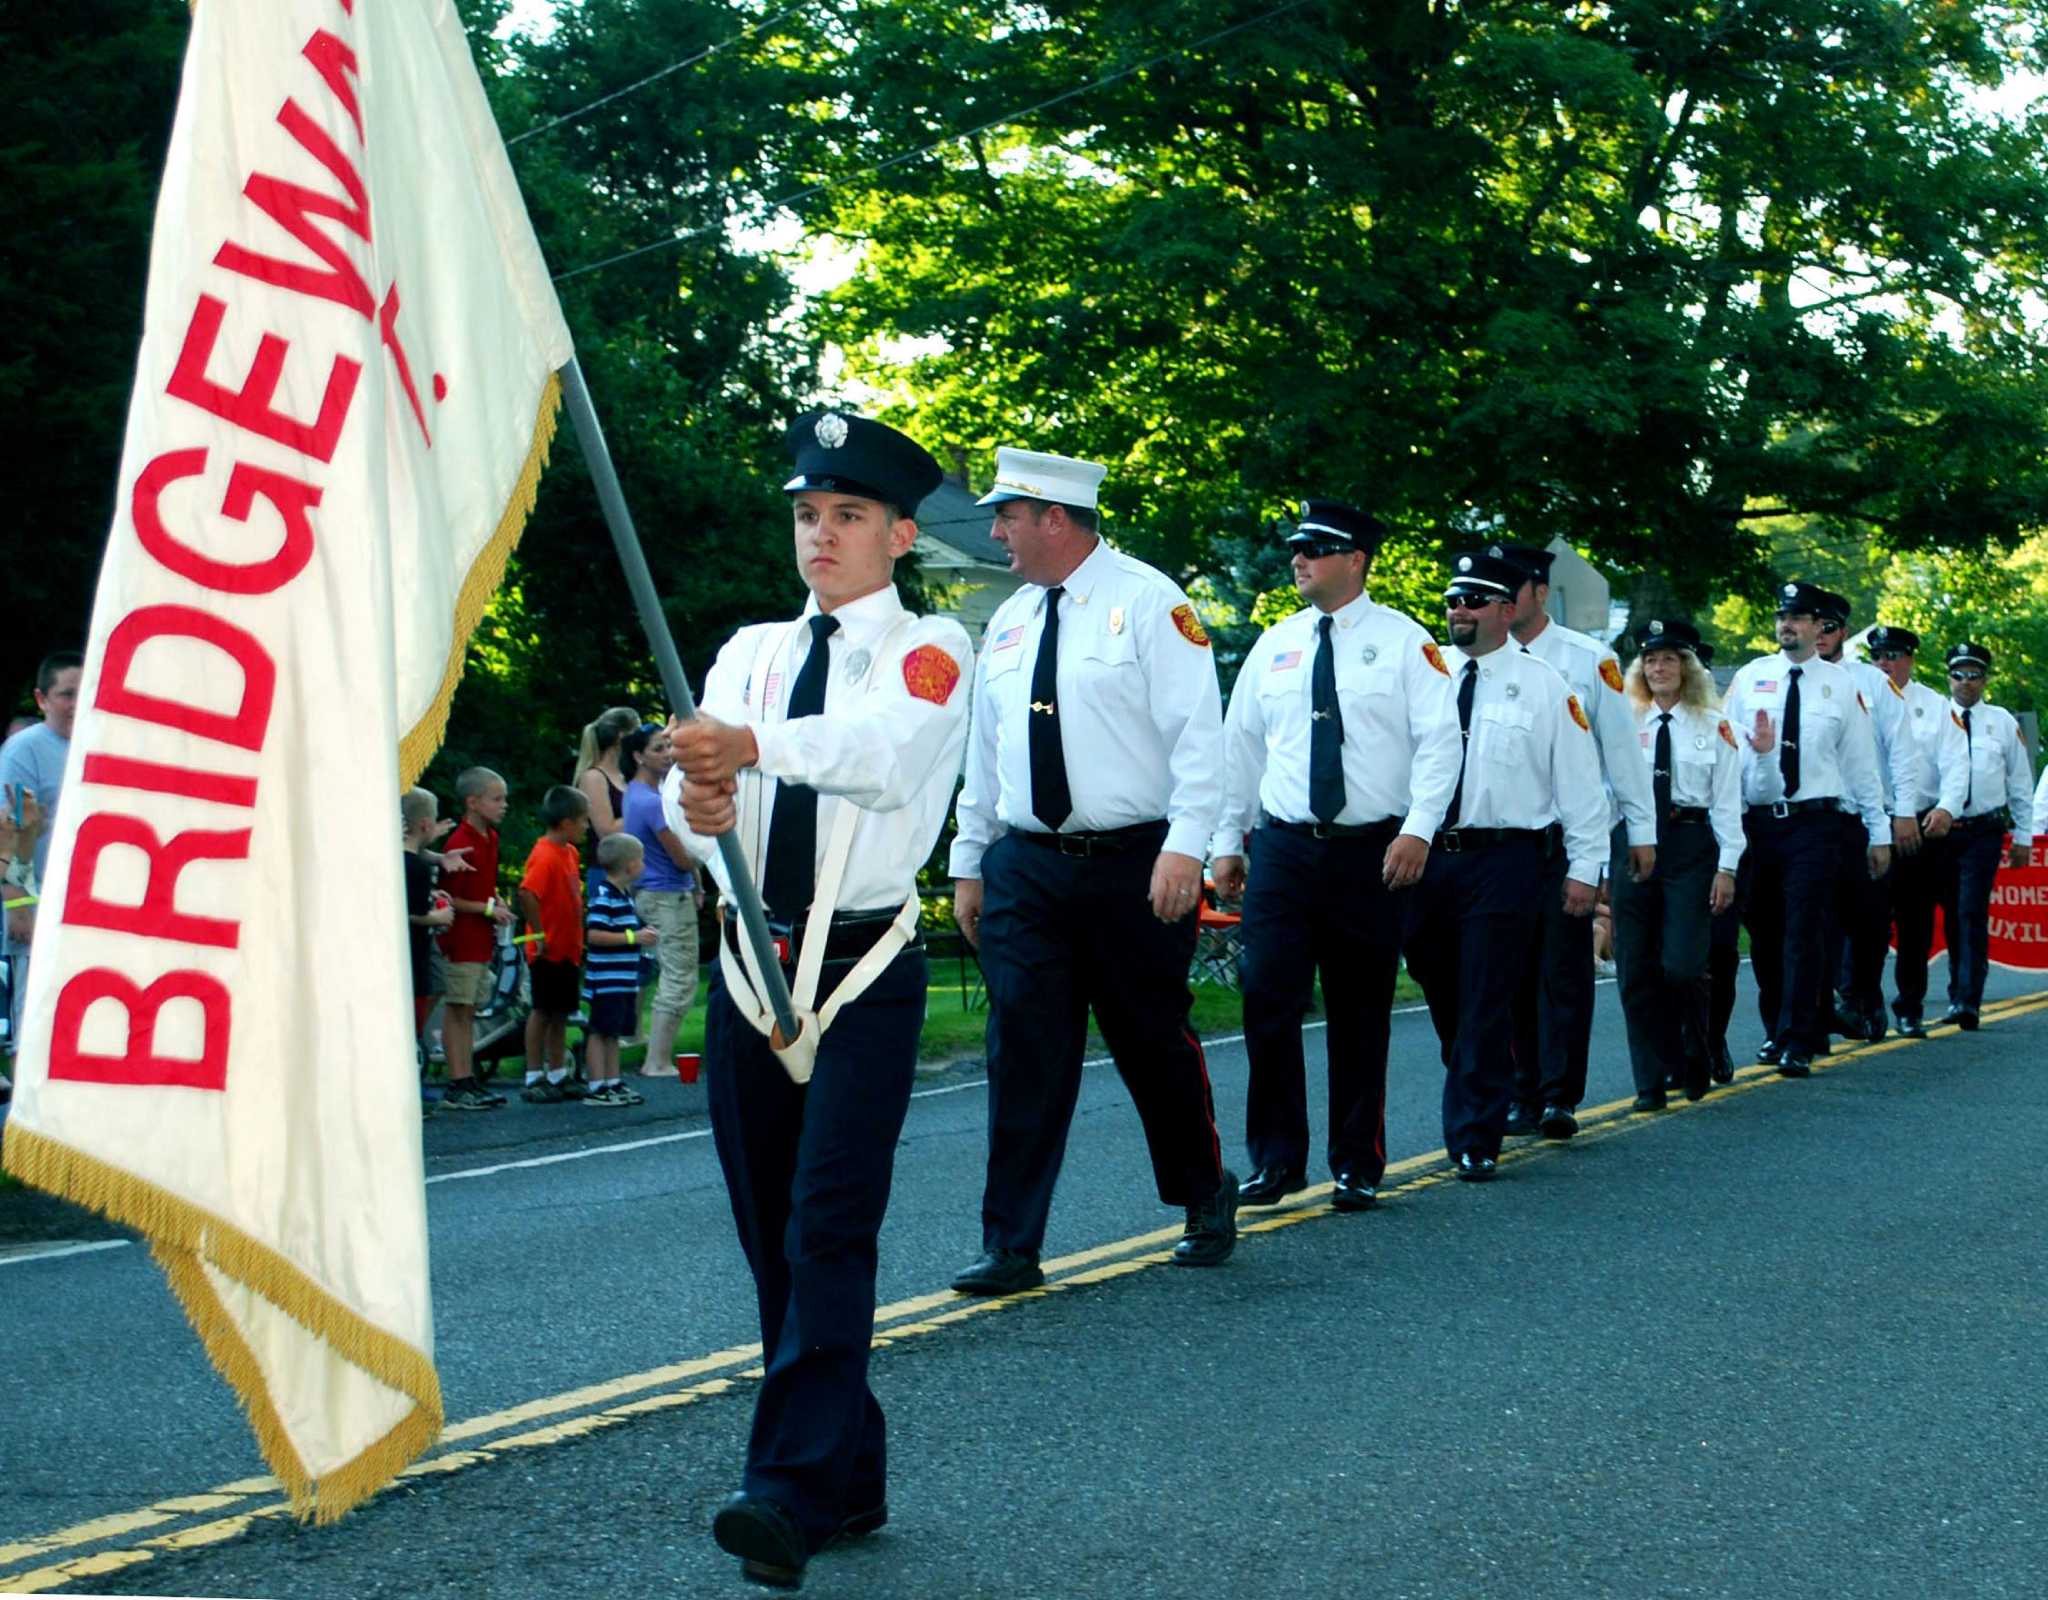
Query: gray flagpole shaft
x,y
583,416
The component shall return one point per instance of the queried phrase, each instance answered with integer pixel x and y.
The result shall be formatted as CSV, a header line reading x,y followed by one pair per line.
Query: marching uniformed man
x,y
1663,925
1852,995
1986,788
1340,753
1528,769
1094,777
1915,875
1553,1003
1807,750
830,744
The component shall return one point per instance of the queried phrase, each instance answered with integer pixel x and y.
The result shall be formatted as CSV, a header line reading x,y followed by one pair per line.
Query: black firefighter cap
x,y
1332,521
1676,634
1834,608
1534,560
857,455
1808,597
1969,655
1489,577
1886,637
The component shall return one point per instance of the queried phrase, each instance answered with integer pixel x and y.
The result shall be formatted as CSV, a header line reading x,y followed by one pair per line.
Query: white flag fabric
x,y
343,400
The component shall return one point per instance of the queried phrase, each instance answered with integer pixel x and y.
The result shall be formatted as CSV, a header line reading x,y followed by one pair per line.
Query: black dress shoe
x,y
1211,1233
859,1524
1796,1064
1723,1069
1650,1100
1910,1026
1270,1184
1557,1122
1474,1169
999,1272
1963,1017
1770,1052
1351,1195
1521,1123
1847,1021
771,1547
1873,1025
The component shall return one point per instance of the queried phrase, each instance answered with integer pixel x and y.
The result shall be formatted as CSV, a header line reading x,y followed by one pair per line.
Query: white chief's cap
x,y
1033,475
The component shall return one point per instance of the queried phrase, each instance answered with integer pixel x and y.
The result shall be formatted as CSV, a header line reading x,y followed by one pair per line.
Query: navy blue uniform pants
x,y
1859,915
1320,905
1663,930
1724,962
1791,862
1916,891
1061,935
1553,1002
1471,931
808,1169
1971,862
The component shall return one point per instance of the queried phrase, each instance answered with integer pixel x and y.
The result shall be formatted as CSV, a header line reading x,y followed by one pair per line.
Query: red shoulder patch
x,y
1610,673
1862,704
1190,625
1728,736
1578,712
930,674
1434,656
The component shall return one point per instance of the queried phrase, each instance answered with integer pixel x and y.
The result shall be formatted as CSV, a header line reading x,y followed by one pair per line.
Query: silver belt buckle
x,y
1781,808
1451,843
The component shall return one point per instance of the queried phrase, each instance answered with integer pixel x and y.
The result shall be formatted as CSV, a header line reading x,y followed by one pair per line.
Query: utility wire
x,y
653,77
812,190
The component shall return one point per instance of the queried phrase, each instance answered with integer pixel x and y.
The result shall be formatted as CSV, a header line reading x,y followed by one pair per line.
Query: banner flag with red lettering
x,y
343,401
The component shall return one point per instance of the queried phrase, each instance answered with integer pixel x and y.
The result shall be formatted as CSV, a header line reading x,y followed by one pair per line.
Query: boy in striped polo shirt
x,y
612,941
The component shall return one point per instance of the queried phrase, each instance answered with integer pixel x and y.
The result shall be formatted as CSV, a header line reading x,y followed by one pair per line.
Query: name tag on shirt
x,y
1286,663
1008,639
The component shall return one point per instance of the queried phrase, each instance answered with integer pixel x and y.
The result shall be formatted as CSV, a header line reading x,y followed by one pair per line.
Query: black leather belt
x,y
851,936
1332,830
1687,814
1454,840
1105,842
1983,824
1793,808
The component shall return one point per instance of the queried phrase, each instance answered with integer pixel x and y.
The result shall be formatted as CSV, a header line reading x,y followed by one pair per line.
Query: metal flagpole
x,y
583,416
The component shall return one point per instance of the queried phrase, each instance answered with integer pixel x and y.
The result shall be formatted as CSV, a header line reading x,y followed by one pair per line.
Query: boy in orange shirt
x,y
551,897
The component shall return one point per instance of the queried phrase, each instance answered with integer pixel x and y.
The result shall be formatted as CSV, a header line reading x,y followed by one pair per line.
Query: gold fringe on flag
x,y
420,742
183,1235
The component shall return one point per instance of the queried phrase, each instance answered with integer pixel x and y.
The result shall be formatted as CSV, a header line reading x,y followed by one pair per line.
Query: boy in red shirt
x,y
473,890
551,897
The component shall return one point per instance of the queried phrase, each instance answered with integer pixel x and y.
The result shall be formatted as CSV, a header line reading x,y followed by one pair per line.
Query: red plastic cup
x,y
686,1067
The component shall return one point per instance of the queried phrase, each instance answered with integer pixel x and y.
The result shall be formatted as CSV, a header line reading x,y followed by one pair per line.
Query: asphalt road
x,y
1791,1342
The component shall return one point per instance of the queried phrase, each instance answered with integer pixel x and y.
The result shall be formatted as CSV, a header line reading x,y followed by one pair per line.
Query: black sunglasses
x,y
1968,673
1316,549
1471,602
1890,655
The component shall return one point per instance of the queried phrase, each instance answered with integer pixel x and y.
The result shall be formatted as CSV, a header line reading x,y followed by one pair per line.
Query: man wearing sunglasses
x,y
1553,1005
1808,751
1986,789
1529,770
1915,876
1340,751
1860,931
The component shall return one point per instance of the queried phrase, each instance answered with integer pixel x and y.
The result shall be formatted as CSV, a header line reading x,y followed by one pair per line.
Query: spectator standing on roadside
x,y
34,758
551,899
667,898
472,890
427,911
21,886
602,772
612,940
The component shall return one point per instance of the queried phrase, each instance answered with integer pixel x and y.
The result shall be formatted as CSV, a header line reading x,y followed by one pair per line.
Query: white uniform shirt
x,y
889,741
1141,718
1997,773
2041,800
1837,749
1923,718
1897,758
1594,672
1530,759
1400,750
1706,771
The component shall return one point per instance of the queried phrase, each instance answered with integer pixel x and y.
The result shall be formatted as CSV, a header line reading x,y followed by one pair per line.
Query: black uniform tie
x,y
1788,736
1325,732
1468,681
1052,802
1660,769
1970,757
792,875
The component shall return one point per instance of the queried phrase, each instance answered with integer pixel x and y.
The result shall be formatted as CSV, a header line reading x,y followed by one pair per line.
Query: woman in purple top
x,y
667,896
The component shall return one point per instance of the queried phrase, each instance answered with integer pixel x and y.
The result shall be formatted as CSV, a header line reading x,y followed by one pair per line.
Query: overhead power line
x,y
811,191
653,77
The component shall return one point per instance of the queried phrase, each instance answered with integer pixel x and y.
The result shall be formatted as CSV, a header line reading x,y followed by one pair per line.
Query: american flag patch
x,y
1008,639
1764,685
771,691
1286,663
